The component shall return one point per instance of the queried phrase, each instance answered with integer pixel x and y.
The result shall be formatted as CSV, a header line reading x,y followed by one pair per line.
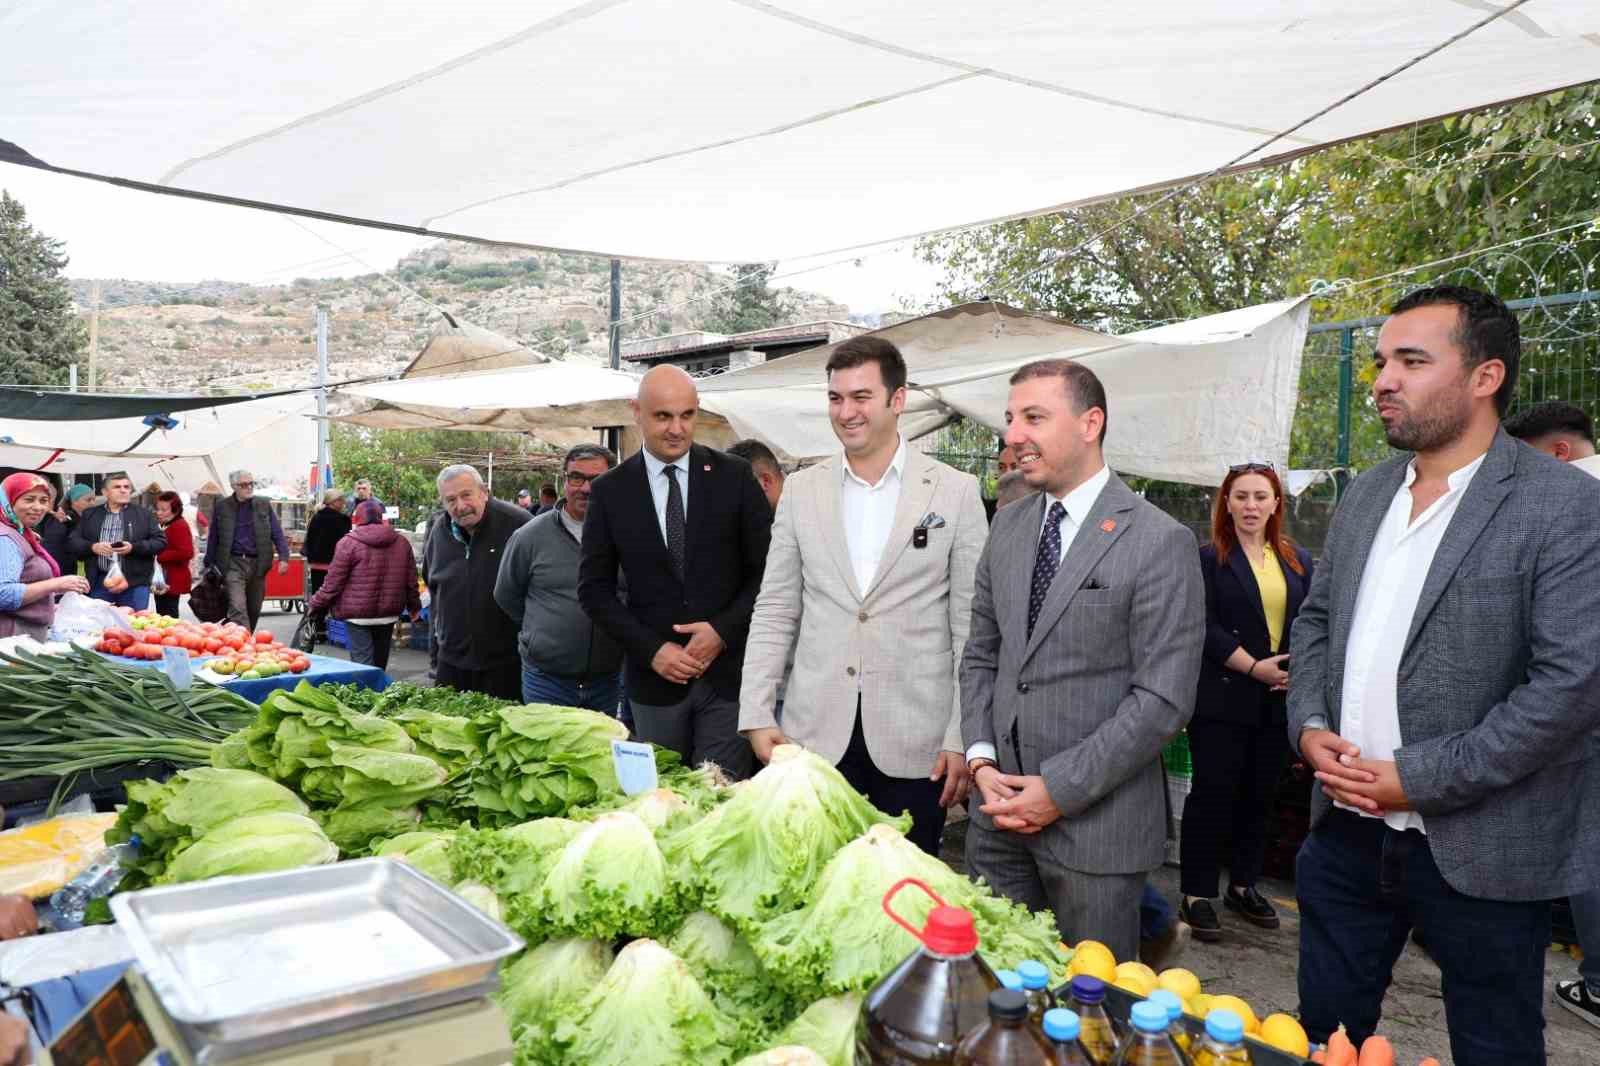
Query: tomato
x,y
263,637
299,666
234,642
211,645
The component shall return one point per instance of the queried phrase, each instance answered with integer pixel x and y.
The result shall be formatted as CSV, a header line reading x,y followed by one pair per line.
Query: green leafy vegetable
x,y
542,760
547,980
610,880
253,844
480,896
827,1027
726,966
513,860
759,854
785,1056
427,851
647,1011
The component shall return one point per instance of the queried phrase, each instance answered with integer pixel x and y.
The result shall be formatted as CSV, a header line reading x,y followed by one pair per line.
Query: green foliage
x,y
40,334
749,303
402,464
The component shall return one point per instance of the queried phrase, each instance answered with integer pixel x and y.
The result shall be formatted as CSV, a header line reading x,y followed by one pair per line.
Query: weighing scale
x,y
364,963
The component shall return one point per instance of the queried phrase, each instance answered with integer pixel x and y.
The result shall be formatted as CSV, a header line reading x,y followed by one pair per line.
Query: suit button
x,y
1022,687
862,617
850,670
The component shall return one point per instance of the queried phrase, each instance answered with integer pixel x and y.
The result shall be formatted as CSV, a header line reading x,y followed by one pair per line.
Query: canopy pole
x,y
613,435
324,458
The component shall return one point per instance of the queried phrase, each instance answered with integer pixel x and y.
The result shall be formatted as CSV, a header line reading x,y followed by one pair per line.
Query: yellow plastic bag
x,y
37,859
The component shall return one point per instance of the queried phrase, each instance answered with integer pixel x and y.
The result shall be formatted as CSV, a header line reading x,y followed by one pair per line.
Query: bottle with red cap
x,y
918,1013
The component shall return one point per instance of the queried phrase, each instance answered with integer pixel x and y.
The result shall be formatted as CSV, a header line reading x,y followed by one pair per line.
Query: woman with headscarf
x,y
55,529
30,579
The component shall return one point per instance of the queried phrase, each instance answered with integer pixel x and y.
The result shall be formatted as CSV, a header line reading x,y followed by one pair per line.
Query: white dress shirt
x,y
1078,503
1397,565
656,471
868,512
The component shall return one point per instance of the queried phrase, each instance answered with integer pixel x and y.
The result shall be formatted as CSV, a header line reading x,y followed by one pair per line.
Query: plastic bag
x,y
37,859
115,580
81,619
158,580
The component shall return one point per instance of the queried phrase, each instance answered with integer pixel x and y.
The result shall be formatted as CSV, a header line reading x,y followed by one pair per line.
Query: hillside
x,y
183,336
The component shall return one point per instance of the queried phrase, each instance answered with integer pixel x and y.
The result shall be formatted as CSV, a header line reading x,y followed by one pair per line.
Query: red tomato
x,y
263,637
235,642
169,642
299,666
212,645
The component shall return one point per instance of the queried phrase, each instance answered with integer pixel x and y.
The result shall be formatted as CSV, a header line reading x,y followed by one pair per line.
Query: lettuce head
x,y
610,880
253,844
828,1028
760,853
428,851
546,981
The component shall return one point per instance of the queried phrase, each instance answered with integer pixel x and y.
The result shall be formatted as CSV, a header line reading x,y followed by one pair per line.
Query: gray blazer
x,y
1106,680
1499,682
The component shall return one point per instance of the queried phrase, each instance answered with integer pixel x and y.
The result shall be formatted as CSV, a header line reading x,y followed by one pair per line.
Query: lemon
x,y
1285,1034
1095,959
1199,1006
1179,982
1239,1007
1124,968
1131,979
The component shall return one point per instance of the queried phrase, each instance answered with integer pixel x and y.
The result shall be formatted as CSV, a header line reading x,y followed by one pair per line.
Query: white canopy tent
x,y
1187,400
738,130
274,438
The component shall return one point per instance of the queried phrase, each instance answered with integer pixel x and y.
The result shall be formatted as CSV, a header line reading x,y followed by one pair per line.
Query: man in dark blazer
x,y
689,527
1087,620
119,529
1446,689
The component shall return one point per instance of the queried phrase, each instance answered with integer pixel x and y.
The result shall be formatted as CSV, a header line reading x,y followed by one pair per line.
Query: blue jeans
x,y
1362,887
1155,915
597,693
1586,916
135,596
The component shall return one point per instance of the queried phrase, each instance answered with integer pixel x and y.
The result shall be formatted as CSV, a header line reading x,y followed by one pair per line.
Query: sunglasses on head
x,y
1251,467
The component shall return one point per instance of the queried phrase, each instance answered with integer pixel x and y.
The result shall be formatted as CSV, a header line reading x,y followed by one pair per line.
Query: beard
x,y
1437,423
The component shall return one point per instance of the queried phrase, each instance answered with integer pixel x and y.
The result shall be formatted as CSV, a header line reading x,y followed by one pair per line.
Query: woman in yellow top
x,y
1256,579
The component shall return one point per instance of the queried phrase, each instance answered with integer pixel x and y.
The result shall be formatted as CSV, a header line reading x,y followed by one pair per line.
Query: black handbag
x,y
305,634
209,598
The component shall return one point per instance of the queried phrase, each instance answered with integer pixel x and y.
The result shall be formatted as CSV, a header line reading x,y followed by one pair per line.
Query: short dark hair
x,y
755,453
1082,384
859,351
1487,329
582,451
172,500
548,489
1549,418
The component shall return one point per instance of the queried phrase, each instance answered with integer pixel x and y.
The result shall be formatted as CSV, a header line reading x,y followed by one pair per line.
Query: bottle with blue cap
x,y
1036,982
1008,1038
1096,1033
1061,1028
1224,1040
1010,979
1175,1027
1148,1043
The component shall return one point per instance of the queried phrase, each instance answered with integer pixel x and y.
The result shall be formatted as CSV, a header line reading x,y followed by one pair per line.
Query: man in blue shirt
x,y
244,530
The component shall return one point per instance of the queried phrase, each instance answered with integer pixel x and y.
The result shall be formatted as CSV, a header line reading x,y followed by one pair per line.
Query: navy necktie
x,y
675,537
1046,562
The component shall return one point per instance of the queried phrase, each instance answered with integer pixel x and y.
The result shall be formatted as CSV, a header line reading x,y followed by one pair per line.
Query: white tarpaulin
x,y
736,130
274,438
1186,401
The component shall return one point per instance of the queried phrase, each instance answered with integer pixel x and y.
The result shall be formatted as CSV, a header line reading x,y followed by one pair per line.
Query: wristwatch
x,y
974,765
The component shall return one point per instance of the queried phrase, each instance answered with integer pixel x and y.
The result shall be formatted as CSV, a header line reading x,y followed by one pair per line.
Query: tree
x,y
402,463
40,334
749,303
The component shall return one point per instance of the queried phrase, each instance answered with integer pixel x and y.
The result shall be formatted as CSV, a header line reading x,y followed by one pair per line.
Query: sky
x,y
120,233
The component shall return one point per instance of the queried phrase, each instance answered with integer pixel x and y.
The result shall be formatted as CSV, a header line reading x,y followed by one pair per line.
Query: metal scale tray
x,y
247,964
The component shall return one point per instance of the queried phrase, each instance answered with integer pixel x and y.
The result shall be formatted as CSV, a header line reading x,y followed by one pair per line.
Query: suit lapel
x,y
1239,563
702,464
1364,532
831,520
916,491
1091,543
1489,488
1024,547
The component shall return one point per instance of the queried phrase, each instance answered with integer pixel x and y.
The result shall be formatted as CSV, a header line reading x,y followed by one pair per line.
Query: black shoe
x,y
1163,952
1251,906
1575,996
1202,919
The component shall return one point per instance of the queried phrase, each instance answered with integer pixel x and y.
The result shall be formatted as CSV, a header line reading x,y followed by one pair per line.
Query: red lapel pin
x,y
707,468
1108,525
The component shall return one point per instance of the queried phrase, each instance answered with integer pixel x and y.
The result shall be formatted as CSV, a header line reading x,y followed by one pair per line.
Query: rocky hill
x,y
185,336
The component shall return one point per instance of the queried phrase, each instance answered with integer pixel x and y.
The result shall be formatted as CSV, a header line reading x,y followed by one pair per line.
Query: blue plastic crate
x,y
338,635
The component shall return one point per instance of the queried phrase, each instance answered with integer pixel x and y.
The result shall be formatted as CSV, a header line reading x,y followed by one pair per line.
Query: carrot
x,y
1376,1051
1341,1052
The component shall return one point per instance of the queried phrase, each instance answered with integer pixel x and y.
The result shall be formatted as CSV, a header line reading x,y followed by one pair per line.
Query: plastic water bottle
x,y
1061,1028
1175,1027
1036,982
1224,1040
1149,1044
97,880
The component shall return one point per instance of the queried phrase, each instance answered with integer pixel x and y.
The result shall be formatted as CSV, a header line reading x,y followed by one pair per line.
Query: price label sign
x,y
175,663
635,764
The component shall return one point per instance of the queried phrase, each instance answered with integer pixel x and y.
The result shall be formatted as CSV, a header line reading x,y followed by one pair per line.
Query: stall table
x,y
323,670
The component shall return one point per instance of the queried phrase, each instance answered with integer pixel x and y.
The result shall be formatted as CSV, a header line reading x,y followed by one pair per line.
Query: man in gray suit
x,y
1446,690
1088,617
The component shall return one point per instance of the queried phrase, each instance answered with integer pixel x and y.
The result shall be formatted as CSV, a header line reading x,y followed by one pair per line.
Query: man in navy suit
x,y
689,528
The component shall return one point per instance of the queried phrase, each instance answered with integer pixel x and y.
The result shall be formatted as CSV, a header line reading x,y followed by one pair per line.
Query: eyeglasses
x,y
578,481
1253,466
245,485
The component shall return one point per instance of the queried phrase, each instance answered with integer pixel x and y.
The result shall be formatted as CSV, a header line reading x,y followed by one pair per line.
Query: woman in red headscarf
x,y
30,580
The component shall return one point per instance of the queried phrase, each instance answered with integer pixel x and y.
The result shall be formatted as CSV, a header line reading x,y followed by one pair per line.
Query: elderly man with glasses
x,y
244,530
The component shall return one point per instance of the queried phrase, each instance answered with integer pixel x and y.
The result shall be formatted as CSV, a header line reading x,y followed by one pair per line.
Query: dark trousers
x,y
597,692
1236,771
915,795
1362,887
246,590
502,680
701,727
370,645
167,604
1155,914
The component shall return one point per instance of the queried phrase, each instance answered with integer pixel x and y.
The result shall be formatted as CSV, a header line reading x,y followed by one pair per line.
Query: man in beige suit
x,y
871,563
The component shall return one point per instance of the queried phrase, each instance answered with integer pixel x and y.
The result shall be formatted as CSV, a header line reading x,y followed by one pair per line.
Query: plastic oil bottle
x,y
1009,979
1224,1040
1036,982
1061,1030
1175,1028
1095,1030
920,1011
1008,1038
1148,1043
